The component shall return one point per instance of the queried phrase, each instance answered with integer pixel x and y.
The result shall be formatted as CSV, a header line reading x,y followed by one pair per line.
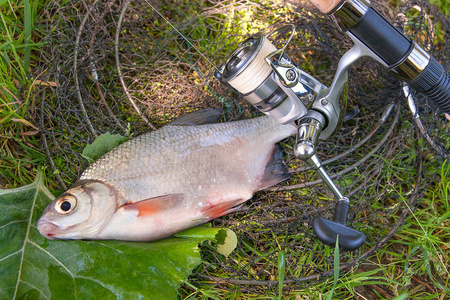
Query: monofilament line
x,y
185,38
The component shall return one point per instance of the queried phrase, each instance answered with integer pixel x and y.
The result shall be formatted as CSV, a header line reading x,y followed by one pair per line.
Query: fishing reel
x,y
268,79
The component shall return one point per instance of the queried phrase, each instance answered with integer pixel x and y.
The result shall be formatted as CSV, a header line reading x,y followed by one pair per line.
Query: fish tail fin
x,y
276,170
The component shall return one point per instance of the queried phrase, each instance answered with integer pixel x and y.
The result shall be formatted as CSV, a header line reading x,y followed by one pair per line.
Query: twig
x,y
75,67
94,71
102,97
119,71
45,144
381,290
315,277
433,291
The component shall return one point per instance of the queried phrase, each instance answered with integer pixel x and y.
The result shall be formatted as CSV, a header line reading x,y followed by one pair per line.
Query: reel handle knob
x,y
327,230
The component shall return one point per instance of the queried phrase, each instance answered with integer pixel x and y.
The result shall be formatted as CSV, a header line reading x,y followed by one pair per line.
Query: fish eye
x,y
66,204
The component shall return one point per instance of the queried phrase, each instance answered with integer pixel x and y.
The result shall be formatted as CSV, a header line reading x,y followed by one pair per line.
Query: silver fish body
x,y
169,180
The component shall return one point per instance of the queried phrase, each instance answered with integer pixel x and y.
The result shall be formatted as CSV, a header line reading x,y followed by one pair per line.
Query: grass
x,y
19,142
443,6
413,264
418,253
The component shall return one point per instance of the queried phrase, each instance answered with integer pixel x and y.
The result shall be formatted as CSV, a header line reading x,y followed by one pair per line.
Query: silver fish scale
x,y
212,161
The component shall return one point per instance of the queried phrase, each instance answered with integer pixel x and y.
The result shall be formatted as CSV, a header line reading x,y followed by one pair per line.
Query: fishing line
x,y
185,38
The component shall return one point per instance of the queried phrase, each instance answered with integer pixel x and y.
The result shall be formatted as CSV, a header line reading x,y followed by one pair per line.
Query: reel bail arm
x,y
326,231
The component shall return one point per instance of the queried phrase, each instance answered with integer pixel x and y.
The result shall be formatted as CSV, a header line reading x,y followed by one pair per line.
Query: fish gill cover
x,y
116,66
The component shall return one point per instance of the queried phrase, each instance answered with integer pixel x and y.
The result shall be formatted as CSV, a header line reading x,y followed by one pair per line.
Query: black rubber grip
x,y
434,82
382,38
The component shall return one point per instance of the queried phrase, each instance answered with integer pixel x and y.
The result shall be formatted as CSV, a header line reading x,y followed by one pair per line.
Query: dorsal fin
x,y
200,117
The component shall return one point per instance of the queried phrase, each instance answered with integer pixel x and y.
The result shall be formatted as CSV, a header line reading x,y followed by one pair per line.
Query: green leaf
x,y
32,267
225,239
102,145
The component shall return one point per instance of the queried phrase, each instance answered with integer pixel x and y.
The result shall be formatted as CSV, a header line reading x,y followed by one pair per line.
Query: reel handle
x,y
326,230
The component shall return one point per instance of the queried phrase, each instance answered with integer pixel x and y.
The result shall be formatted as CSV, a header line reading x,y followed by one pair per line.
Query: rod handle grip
x,y
434,82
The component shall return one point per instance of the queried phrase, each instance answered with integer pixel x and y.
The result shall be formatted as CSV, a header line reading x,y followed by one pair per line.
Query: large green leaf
x,y
32,267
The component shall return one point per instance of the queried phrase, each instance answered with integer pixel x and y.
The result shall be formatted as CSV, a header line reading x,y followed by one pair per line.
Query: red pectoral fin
x,y
154,205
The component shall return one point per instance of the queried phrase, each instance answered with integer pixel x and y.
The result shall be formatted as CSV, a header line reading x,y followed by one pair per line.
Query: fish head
x,y
79,213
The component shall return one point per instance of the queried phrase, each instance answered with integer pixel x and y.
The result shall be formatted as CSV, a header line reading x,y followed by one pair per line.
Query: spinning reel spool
x,y
267,78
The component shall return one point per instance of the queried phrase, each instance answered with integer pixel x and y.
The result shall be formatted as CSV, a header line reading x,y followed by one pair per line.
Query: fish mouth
x,y
47,229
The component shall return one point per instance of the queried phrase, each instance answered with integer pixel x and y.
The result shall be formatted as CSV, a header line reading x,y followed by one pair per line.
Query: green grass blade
x,y
428,261
402,297
281,270
13,48
28,28
407,259
336,268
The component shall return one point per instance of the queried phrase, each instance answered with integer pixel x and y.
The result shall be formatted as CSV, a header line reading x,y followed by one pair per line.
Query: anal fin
x,y
212,212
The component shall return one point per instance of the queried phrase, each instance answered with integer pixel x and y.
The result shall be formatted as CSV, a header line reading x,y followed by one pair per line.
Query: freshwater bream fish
x,y
168,180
